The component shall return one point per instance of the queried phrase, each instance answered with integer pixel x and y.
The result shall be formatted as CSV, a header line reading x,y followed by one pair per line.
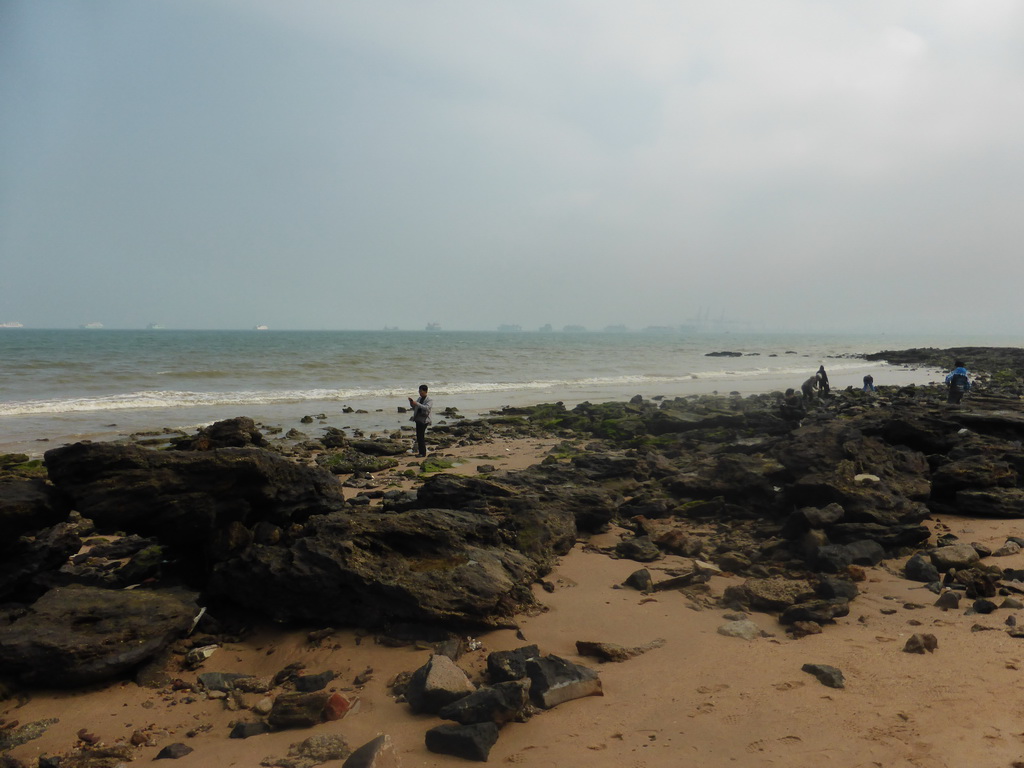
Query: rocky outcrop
x,y
239,432
368,568
79,635
200,503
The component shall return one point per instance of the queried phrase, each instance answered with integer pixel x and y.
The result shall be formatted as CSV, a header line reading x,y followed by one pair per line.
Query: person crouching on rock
x,y
421,417
958,383
809,386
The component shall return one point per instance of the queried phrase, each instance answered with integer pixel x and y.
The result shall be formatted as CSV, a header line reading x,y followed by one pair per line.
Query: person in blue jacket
x,y
958,383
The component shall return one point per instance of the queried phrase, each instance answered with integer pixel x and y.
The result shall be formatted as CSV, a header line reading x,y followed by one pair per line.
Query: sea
x,y
62,386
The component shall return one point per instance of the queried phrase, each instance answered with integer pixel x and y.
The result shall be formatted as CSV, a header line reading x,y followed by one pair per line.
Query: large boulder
x,y
183,497
372,567
28,505
75,636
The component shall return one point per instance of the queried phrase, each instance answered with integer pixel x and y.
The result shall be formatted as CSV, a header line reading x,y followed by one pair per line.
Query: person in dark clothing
x,y
823,387
958,383
869,383
421,407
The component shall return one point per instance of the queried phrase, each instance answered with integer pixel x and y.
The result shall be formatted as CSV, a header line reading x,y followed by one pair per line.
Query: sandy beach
x,y
701,698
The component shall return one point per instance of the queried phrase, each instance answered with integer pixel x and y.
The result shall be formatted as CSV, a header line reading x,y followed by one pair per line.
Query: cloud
x,y
596,162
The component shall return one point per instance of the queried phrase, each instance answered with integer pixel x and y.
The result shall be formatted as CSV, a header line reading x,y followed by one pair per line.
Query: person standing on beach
x,y
958,383
869,383
421,417
823,387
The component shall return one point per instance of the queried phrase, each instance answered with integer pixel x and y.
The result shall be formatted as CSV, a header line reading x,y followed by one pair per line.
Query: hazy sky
x,y
793,164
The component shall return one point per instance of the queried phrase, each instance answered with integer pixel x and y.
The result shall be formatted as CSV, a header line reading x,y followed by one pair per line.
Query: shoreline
x,y
694,694
34,434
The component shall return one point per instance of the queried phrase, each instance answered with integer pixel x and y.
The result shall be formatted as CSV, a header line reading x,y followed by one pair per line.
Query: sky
x,y
786,165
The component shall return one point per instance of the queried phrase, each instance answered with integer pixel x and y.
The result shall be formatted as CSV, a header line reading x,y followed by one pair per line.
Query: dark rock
x,y
79,635
499,704
437,684
983,606
173,751
999,503
472,742
973,472
830,587
553,680
640,580
820,611
378,753
311,683
239,432
510,665
380,447
826,675
244,730
298,710
186,498
371,567
641,549
920,568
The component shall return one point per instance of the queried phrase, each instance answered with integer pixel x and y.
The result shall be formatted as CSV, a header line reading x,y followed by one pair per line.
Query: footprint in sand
x,y
788,685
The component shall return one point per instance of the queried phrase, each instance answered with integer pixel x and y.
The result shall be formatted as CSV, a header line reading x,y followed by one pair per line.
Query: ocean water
x,y
58,386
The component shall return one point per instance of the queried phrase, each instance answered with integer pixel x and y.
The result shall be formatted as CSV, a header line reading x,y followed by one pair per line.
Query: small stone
x,y
247,729
948,601
337,707
173,751
263,706
744,629
919,643
805,628
1009,548
472,742
379,753
983,606
826,675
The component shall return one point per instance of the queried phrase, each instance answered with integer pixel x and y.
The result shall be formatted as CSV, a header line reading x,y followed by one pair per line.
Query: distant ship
x,y
546,328
390,327
509,328
154,327
433,327
11,324
91,326
574,329
261,328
